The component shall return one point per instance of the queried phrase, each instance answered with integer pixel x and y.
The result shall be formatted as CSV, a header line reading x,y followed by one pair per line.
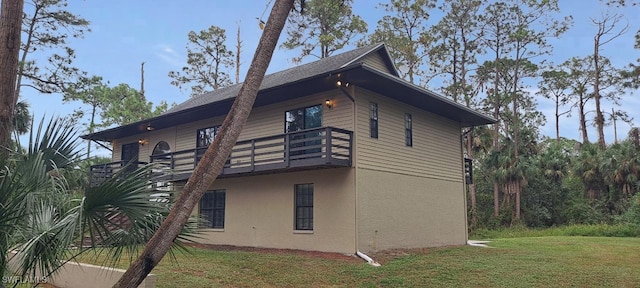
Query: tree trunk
x,y
516,127
496,199
583,121
238,50
213,160
615,126
557,120
496,137
472,185
596,92
10,29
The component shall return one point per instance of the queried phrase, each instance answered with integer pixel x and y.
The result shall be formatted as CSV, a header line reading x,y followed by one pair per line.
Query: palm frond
x,y
124,212
57,141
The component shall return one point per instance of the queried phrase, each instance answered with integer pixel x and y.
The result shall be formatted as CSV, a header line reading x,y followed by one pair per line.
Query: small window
x,y
212,208
408,130
373,120
304,206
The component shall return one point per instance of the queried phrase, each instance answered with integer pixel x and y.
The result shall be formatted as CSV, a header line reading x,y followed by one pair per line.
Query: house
x,y
338,155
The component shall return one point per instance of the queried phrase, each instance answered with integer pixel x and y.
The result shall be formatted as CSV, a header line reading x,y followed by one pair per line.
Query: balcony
x,y
99,173
326,147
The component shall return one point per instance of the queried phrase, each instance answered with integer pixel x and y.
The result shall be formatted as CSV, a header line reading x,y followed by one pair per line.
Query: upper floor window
x,y
212,206
408,130
204,138
161,148
373,120
303,118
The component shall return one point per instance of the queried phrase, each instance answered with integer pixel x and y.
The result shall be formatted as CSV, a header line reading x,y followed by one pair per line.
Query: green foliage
x,y
21,118
118,105
405,35
47,26
127,105
324,27
208,62
43,217
632,215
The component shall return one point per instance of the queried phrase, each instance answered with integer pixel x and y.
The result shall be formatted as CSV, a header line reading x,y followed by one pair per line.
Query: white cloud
x,y
167,54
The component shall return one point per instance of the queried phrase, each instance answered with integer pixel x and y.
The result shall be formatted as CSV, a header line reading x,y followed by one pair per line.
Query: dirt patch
x,y
314,254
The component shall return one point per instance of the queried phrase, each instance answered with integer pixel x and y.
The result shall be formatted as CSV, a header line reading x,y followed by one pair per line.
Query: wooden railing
x,y
307,149
100,172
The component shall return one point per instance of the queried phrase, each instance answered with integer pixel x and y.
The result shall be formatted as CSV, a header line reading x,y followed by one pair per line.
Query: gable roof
x,y
322,66
303,80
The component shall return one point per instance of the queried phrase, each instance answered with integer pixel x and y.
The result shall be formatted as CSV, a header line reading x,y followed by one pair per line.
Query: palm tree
x,y
40,219
21,118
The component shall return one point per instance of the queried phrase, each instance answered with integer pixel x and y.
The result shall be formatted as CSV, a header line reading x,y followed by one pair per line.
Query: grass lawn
x,y
558,261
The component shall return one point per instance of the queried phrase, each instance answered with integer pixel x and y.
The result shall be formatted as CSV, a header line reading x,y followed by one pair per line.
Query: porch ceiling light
x,y
149,127
328,103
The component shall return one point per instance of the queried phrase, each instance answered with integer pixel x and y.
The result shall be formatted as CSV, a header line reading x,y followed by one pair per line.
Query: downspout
x,y
368,259
355,171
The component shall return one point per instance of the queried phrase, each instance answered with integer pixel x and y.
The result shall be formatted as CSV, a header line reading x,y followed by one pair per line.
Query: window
x,y
303,119
408,130
304,206
212,208
373,120
204,138
161,148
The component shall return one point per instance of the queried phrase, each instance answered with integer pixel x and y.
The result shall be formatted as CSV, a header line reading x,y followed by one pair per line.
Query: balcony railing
x,y
101,172
308,149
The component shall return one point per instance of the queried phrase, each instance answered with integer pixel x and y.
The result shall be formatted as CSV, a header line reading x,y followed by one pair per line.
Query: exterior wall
x,y
259,211
402,211
263,121
375,61
436,150
408,196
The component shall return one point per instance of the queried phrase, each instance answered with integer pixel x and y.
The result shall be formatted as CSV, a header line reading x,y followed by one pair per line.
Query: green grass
x,y
557,261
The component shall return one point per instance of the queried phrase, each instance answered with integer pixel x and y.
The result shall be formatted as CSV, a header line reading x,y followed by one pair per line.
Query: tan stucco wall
x,y
404,211
260,211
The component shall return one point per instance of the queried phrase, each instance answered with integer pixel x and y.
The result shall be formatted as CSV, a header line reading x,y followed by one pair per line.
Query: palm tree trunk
x,y
213,160
10,29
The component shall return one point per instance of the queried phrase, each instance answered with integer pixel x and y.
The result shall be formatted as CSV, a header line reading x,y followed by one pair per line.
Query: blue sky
x,y
126,33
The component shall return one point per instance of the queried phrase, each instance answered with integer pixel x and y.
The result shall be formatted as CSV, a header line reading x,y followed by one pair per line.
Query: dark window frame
x,y
303,202
304,117
200,146
213,208
373,120
408,130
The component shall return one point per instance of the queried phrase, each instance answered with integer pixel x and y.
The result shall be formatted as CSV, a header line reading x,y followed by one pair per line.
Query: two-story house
x,y
338,155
